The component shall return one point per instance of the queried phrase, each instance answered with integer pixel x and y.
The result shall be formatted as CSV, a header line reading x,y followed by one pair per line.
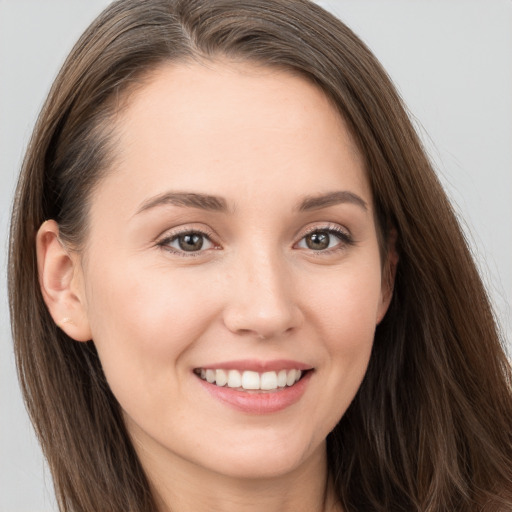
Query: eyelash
x,y
344,237
165,243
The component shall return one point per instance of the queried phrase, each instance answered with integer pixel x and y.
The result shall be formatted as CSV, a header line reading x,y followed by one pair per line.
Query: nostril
x,y
247,321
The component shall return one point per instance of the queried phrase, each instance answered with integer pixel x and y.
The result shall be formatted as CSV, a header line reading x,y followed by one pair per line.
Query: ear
x,y
388,275
61,282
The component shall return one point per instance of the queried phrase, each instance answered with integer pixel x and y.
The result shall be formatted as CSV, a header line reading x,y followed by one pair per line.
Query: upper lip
x,y
258,365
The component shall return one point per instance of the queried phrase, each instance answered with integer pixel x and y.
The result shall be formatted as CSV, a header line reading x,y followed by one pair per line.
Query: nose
x,y
262,302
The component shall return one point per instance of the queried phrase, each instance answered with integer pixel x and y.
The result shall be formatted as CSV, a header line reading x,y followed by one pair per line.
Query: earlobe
x,y
388,275
59,279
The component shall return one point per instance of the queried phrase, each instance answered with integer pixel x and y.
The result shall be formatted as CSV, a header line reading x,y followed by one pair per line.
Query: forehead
x,y
221,127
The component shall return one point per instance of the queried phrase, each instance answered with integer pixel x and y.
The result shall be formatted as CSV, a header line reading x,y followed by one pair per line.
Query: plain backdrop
x,y
451,61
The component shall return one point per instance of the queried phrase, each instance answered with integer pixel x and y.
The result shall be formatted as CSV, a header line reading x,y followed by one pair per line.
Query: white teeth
x,y
234,379
290,378
250,380
221,378
268,380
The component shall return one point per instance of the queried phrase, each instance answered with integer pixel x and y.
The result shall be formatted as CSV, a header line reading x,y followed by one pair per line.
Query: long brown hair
x,y
430,427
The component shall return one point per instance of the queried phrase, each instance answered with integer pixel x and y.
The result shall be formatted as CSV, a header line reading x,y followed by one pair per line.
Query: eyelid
x,y
165,239
342,233
327,226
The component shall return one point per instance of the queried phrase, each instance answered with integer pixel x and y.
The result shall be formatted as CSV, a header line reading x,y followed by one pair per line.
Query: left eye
x,y
191,241
321,239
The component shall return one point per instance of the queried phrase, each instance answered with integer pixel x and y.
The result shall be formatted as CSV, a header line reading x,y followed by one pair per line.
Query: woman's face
x,y
234,239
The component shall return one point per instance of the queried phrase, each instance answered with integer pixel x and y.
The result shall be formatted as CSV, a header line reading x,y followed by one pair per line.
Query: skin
x,y
263,141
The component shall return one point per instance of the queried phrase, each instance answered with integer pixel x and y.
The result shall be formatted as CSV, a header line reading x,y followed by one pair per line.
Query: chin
x,y
265,456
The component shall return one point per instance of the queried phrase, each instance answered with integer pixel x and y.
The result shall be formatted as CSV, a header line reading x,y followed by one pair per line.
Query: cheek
x,y
346,311
348,301
142,324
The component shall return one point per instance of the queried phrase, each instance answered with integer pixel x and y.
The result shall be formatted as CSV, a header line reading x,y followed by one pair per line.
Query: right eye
x,y
187,242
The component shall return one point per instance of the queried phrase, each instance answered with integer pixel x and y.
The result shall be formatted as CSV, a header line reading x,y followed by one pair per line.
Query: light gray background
x,y
452,62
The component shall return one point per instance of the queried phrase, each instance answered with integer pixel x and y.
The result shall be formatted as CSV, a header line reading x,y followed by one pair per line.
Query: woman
x,y
248,289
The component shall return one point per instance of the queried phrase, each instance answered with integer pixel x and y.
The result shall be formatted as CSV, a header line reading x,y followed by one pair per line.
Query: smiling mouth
x,y
250,380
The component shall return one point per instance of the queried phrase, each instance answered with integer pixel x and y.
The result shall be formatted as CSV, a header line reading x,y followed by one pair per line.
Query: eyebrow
x,y
186,199
218,204
330,199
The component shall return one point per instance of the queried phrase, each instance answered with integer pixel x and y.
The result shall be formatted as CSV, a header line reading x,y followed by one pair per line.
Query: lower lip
x,y
259,402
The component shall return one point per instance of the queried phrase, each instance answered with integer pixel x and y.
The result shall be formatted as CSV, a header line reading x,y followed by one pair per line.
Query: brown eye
x,y
188,242
325,239
318,241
